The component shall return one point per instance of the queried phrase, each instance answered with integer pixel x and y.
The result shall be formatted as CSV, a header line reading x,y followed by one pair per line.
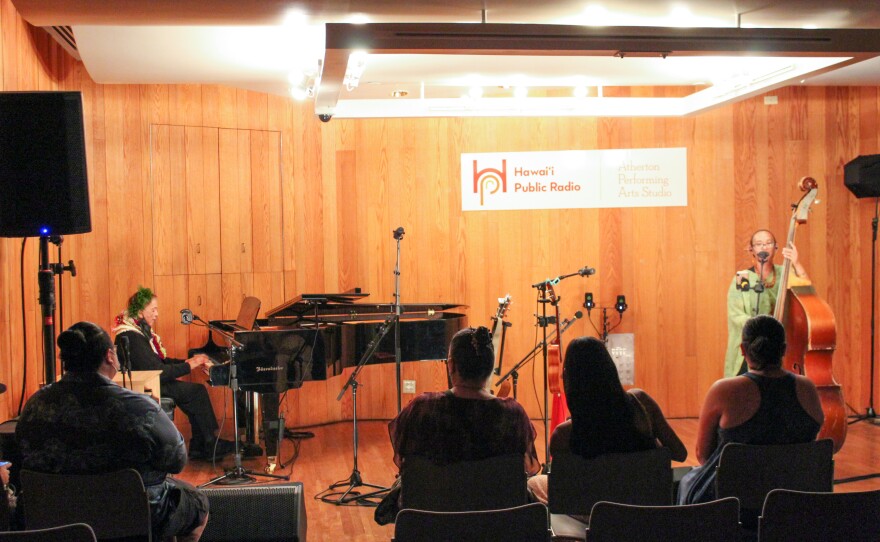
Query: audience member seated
x,y
465,423
87,424
766,405
137,323
605,418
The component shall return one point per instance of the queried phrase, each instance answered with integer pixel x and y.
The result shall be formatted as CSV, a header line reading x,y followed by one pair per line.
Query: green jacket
x,y
740,307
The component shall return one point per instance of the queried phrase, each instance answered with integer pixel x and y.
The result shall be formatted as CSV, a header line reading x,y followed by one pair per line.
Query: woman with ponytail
x,y
87,424
464,423
765,405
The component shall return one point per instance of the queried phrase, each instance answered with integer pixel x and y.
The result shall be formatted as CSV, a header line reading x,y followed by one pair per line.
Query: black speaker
x,y
862,176
43,184
267,513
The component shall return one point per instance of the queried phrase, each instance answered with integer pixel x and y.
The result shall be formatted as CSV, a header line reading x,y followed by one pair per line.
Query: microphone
x,y
586,271
398,233
762,256
568,322
123,341
186,317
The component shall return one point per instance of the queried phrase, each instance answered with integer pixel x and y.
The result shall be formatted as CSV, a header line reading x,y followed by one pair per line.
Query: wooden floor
x,y
328,458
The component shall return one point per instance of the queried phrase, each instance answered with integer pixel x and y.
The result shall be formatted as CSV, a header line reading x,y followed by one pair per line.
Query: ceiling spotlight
x,y
475,92
521,92
580,91
357,63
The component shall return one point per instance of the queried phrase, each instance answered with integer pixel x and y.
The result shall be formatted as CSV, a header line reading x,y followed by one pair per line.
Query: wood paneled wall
x,y
345,185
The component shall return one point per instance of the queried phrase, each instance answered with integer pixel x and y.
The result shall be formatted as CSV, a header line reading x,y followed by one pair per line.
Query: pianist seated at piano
x,y
466,422
147,353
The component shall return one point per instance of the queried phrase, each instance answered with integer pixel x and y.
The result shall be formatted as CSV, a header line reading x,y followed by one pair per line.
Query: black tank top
x,y
779,420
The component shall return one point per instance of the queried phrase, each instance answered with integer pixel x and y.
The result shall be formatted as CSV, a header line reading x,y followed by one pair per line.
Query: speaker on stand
x,y
43,184
862,177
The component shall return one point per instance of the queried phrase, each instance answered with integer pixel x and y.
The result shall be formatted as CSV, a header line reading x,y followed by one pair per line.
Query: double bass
x,y
810,331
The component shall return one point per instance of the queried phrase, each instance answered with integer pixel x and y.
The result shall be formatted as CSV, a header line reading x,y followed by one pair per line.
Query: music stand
x,y
355,480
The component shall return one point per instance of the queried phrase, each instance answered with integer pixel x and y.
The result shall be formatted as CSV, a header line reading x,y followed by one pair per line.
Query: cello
x,y
810,331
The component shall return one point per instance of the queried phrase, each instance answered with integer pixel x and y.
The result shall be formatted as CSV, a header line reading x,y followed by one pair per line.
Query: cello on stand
x,y
810,331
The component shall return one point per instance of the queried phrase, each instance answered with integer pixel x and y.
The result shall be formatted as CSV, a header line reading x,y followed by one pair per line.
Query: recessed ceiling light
x,y
475,92
580,91
521,92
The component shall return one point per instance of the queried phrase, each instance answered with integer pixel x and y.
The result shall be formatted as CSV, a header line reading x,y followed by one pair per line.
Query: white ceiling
x,y
257,45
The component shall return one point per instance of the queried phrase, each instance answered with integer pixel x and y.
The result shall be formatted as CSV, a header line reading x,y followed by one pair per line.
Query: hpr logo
x,y
490,180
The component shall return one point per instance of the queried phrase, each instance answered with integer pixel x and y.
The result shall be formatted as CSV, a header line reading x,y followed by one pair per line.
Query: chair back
x,y
716,521
76,532
527,523
486,484
575,484
115,504
818,517
750,472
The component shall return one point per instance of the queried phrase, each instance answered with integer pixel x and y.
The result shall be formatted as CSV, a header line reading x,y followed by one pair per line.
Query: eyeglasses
x,y
768,244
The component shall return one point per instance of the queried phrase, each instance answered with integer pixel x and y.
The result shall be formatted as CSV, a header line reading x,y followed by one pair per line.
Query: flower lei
x,y
123,322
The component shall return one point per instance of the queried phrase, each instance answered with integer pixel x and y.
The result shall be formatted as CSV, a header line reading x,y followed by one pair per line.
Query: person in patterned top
x,y
87,424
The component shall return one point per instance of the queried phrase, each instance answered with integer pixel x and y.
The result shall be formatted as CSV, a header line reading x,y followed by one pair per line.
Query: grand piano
x,y
317,336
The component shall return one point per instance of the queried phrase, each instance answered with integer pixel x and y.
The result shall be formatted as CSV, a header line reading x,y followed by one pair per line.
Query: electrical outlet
x,y
409,386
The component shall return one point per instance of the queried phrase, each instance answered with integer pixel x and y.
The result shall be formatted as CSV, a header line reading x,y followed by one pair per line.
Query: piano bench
x,y
168,406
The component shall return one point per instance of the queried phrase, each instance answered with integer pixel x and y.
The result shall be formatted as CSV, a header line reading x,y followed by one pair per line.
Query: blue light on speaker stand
x,y
44,231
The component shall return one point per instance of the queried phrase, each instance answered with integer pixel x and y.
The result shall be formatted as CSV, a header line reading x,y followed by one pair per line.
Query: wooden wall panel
x,y
345,185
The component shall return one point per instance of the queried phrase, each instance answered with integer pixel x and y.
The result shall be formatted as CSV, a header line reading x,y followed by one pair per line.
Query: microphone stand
x,y
354,480
398,235
237,475
759,287
513,373
542,322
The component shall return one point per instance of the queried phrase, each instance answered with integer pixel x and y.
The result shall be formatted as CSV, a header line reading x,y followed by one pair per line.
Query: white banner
x,y
574,179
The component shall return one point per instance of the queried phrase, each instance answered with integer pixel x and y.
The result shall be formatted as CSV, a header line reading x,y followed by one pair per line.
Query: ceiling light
x,y
357,63
358,18
579,91
475,92
521,92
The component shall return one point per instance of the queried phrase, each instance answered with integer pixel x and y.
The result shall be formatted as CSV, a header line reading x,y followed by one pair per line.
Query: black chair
x,y
76,532
115,505
168,405
820,517
750,472
716,521
527,523
575,484
487,484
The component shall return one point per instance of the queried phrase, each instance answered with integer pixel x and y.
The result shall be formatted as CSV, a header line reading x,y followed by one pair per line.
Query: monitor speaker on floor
x,y
260,513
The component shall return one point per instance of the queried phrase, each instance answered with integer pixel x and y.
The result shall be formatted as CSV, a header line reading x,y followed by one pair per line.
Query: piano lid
x,y
342,307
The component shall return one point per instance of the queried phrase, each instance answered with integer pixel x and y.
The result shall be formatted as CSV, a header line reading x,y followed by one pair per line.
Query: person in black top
x,y
766,405
136,323
87,424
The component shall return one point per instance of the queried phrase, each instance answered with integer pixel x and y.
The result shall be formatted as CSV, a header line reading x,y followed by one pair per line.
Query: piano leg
x,y
273,428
